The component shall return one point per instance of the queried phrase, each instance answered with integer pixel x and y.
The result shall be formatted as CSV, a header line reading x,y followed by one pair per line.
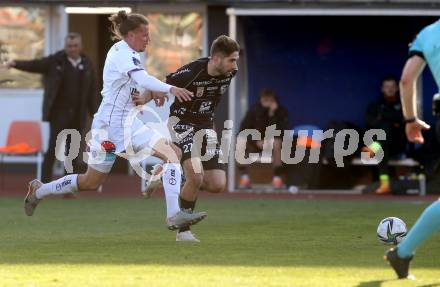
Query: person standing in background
x,y
70,94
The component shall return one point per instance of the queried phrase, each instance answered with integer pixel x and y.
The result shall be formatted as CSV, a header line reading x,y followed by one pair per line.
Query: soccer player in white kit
x,y
123,73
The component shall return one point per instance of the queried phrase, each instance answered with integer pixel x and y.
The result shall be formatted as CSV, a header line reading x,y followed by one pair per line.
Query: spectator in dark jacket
x,y
69,93
386,114
266,112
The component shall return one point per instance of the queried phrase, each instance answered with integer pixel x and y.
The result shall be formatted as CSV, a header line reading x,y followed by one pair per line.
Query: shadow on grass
x,y
378,283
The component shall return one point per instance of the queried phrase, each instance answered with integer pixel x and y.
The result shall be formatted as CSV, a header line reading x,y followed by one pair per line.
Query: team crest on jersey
x,y
205,107
136,61
200,91
223,89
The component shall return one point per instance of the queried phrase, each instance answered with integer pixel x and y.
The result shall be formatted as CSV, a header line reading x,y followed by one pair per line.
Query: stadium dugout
x,y
321,69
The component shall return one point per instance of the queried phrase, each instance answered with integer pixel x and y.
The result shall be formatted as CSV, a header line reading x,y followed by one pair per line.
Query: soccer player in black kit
x,y
208,78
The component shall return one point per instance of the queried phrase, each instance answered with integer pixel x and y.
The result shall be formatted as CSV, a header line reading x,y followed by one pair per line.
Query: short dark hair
x,y
224,45
268,93
73,35
389,78
122,23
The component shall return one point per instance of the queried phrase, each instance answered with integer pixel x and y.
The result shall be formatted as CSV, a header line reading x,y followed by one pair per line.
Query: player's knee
x,y
88,183
217,187
195,179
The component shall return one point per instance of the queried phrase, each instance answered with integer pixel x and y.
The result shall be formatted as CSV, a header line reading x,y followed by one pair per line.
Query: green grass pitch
x,y
245,242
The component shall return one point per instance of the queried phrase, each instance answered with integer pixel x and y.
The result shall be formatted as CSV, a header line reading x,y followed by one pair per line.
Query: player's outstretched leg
x,y
194,178
185,218
426,225
71,183
37,191
177,217
31,200
214,181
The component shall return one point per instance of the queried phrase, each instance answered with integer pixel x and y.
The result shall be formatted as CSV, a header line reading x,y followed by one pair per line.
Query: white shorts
x,y
107,142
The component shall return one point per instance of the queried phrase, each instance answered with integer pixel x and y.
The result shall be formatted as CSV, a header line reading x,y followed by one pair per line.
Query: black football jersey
x,y
207,90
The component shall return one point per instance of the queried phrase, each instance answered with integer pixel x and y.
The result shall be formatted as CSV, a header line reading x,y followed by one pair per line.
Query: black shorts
x,y
209,145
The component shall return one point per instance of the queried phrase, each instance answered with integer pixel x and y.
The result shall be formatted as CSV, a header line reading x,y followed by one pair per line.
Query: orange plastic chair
x,y
308,142
24,139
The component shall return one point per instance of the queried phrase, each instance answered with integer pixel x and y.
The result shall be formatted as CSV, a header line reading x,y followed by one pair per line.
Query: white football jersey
x,y
118,86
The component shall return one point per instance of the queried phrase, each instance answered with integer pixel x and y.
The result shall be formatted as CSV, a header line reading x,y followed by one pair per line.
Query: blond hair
x,y
122,23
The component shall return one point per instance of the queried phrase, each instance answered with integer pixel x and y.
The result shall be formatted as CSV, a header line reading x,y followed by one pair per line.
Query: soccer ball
x,y
391,230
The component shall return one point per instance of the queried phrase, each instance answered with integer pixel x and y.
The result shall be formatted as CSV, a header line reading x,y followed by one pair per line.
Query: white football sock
x,y
66,184
171,178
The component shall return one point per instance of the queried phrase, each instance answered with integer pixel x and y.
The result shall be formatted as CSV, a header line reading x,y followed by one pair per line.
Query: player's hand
x,y
10,64
141,99
414,131
181,94
159,98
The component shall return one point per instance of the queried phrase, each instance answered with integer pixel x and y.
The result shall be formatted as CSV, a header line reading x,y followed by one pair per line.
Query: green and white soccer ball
x,y
391,230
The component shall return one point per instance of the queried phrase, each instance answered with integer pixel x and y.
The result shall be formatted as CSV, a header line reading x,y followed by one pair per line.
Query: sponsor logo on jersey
x,y
213,88
136,62
212,81
201,83
224,80
180,72
213,152
199,92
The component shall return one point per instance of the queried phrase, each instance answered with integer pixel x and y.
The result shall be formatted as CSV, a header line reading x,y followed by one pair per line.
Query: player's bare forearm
x,y
408,86
408,92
